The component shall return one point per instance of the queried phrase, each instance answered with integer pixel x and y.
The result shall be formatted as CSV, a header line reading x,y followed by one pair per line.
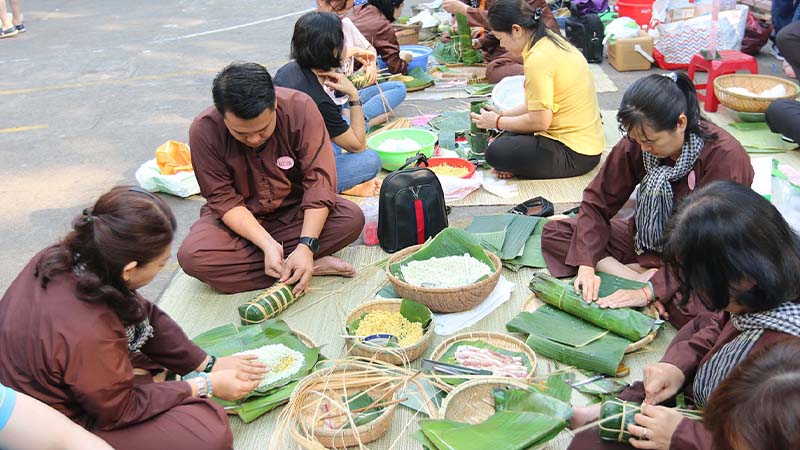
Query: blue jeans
x,y
784,12
394,92
354,168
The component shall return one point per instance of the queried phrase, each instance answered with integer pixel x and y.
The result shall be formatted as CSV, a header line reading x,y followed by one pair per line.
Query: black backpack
x,y
586,34
411,207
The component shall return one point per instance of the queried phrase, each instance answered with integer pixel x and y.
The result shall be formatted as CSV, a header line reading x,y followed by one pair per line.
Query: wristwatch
x,y
310,242
355,103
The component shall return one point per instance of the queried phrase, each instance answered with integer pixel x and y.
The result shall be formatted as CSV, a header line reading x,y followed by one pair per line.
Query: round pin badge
x,y
285,162
692,180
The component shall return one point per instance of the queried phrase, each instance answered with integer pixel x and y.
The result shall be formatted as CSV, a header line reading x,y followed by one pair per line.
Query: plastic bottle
x,y
369,235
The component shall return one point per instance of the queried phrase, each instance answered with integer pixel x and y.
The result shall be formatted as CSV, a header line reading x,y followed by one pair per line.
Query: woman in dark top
x,y
669,151
317,49
374,20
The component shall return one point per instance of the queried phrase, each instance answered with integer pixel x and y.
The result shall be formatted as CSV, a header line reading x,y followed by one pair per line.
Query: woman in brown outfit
x,y
374,21
75,335
734,249
670,150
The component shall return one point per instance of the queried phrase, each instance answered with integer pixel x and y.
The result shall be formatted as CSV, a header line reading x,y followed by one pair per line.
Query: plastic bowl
x,y
454,162
393,160
420,58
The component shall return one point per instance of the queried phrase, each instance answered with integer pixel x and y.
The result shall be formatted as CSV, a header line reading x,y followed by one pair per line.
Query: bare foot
x,y
788,70
331,265
583,415
502,175
369,188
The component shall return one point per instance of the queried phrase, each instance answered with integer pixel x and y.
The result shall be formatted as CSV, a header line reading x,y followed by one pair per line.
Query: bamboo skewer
x,y
366,408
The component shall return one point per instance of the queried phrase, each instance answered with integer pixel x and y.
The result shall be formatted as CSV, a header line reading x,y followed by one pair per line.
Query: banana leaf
x,y
267,304
449,356
601,387
505,430
518,229
456,121
603,355
530,401
258,406
556,386
625,322
358,401
449,242
479,89
446,52
421,78
532,252
557,326
612,283
231,338
434,426
411,310
469,55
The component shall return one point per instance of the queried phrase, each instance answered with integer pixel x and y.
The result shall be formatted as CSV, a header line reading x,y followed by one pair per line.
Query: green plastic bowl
x,y
393,160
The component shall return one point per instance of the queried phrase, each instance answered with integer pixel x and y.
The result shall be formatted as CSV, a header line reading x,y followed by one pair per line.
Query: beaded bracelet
x,y
208,389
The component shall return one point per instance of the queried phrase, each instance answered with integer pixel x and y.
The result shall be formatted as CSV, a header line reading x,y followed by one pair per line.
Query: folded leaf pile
x,y
516,239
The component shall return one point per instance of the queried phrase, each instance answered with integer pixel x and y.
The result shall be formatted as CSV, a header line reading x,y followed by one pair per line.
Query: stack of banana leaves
x,y
420,79
574,332
523,419
459,48
229,339
515,238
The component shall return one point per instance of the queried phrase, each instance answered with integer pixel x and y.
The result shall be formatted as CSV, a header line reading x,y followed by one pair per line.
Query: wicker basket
x,y
532,303
407,34
477,70
340,437
753,83
473,402
445,300
500,340
397,356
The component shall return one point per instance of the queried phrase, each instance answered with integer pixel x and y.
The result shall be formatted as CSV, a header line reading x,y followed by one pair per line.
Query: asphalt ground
x,y
94,87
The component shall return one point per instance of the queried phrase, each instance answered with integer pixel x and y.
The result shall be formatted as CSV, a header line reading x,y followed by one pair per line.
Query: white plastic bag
x,y
621,28
182,184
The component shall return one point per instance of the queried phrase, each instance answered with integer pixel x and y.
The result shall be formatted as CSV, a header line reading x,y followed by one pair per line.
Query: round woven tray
x,y
479,70
473,402
753,83
500,340
531,303
339,437
398,355
445,300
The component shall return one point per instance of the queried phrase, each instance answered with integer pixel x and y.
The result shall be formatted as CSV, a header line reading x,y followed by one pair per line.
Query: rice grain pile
x,y
385,322
447,169
445,272
282,362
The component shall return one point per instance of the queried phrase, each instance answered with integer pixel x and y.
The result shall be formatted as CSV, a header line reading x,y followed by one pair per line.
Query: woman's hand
x,y
371,72
339,82
630,298
245,363
298,269
485,119
587,283
455,7
273,259
654,427
661,381
406,56
233,384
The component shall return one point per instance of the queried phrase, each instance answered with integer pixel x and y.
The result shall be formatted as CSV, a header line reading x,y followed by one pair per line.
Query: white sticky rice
x,y
282,361
445,272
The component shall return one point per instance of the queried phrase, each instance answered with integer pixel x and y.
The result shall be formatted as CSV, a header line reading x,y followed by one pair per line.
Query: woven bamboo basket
x,y
753,83
477,72
397,356
304,338
407,34
318,403
445,300
532,303
473,402
500,340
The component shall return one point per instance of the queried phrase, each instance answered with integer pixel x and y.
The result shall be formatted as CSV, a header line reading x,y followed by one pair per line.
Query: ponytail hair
x,y
658,101
124,225
387,7
506,13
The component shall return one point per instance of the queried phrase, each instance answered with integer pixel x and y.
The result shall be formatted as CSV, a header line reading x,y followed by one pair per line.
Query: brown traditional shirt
x,y
371,22
295,168
723,158
73,355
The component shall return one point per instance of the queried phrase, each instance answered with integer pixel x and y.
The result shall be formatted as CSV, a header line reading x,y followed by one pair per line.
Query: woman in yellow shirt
x,y
557,132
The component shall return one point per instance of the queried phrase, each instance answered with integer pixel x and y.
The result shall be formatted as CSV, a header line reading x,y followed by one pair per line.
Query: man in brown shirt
x,y
264,163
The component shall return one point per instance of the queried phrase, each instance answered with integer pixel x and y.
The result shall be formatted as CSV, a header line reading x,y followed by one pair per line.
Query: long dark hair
x,y
757,406
506,13
126,224
386,7
318,41
726,233
658,101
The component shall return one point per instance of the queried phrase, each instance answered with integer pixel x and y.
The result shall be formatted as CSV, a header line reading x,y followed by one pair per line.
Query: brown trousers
x,y
556,242
503,66
216,255
197,424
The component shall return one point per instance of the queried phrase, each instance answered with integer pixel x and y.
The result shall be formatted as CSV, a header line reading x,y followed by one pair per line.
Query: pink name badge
x,y
692,180
285,162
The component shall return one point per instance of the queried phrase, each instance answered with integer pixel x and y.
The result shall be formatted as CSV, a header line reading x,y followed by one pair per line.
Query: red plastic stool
x,y
731,62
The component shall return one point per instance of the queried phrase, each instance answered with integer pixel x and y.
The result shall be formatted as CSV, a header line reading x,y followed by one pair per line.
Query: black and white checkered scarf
x,y
785,318
139,334
654,198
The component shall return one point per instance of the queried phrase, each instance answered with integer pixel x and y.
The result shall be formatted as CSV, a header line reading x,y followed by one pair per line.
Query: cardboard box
x,y
623,56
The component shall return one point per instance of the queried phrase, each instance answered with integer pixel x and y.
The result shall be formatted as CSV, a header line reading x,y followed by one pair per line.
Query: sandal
x,y
535,207
9,32
21,28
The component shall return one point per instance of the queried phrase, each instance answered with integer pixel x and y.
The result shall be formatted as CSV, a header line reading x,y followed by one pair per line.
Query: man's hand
x,y
298,269
455,7
661,381
339,82
273,259
587,283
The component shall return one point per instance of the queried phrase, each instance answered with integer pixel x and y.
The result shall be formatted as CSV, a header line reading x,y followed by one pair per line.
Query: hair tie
x,y
87,215
671,75
537,14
